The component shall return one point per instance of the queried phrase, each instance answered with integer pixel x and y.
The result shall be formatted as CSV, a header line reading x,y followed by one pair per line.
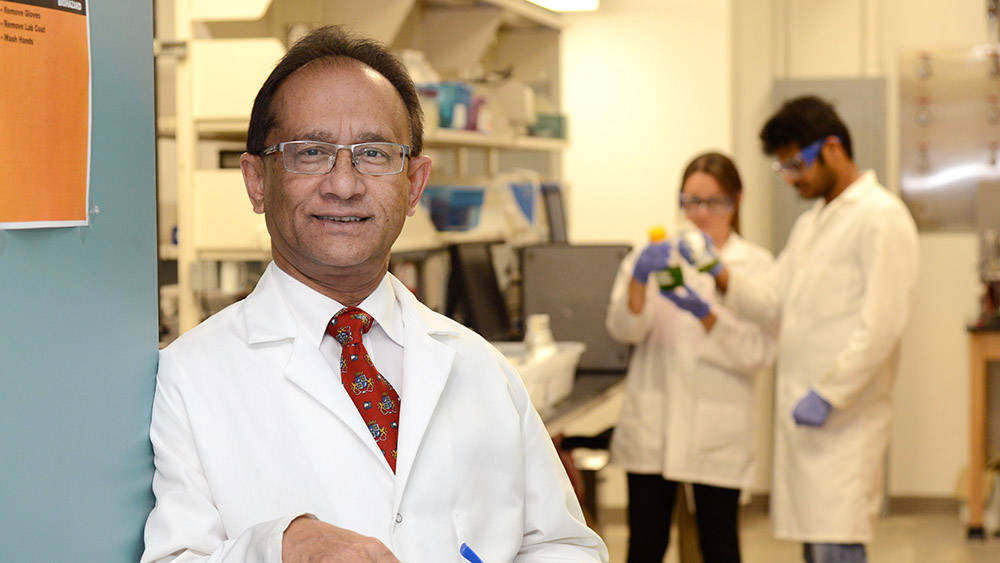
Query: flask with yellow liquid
x,y
670,276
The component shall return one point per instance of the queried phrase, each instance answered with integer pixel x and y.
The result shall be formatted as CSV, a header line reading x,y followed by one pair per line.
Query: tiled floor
x,y
933,537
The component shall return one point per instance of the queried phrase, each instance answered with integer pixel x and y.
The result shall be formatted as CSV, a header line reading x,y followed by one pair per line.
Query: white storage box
x,y
548,379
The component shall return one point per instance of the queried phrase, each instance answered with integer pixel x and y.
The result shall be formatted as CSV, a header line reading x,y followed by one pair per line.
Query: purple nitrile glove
x,y
689,300
708,256
653,257
811,410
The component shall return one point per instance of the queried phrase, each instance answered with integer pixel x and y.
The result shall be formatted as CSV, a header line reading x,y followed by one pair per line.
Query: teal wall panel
x,y
78,331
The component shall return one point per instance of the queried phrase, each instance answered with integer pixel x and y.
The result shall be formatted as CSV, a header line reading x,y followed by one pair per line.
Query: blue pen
x,y
468,554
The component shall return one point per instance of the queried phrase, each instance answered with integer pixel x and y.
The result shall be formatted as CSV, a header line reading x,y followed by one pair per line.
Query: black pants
x,y
651,501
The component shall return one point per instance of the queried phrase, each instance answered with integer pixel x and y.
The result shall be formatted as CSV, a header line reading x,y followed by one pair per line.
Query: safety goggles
x,y
805,157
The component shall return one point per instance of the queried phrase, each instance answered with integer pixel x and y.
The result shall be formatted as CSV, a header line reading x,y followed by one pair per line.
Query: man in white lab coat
x,y
842,289
266,447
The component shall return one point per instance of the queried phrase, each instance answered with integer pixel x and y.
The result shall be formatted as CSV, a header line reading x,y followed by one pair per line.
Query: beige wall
x,y
647,84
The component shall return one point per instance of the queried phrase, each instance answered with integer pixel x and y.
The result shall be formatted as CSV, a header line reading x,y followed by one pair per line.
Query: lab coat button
x,y
399,518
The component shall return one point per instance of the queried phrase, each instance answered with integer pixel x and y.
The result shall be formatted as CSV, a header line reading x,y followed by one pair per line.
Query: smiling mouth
x,y
335,219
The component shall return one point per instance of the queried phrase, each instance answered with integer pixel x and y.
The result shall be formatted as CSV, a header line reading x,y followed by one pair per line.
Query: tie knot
x,y
348,325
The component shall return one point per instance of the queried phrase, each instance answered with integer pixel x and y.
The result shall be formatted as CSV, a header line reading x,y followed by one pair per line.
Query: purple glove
x,y
653,257
707,260
811,410
689,300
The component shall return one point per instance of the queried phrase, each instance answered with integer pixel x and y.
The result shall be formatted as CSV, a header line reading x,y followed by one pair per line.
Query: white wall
x,y
854,38
647,86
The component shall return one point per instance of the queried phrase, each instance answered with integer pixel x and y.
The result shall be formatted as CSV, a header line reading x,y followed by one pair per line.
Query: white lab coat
x,y
251,428
688,410
843,288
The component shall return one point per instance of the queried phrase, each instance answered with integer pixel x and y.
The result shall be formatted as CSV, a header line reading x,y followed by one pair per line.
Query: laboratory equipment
x,y
548,379
538,336
572,284
454,208
948,130
698,249
989,314
552,195
474,296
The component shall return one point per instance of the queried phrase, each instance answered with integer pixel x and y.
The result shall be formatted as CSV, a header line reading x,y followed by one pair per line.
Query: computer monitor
x,y
474,296
554,212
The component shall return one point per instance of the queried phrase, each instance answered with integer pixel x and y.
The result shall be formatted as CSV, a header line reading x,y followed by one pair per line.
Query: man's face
x,y
812,180
343,221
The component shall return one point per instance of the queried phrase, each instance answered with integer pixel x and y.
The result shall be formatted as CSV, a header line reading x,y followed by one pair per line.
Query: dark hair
x,y
722,168
804,121
326,42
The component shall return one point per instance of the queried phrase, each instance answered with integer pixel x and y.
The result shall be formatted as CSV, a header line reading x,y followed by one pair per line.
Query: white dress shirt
x,y
384,341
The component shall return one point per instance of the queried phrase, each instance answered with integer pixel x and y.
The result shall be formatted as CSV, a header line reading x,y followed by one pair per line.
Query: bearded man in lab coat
x,y
263,451
842,289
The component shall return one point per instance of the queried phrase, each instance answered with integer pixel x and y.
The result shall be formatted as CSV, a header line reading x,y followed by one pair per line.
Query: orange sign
x,y
44,113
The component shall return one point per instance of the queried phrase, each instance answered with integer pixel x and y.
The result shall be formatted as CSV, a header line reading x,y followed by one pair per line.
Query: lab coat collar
x,y
859,188
314,310
426,365
267,317
855,192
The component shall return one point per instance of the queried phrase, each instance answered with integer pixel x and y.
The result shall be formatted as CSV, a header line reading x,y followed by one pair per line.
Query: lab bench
x,y
984,347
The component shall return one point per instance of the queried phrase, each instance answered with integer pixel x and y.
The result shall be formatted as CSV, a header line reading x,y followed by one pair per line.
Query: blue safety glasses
x,y
803,158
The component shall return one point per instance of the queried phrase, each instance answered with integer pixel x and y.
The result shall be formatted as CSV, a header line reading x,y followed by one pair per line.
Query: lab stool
x,y
590,455
589,462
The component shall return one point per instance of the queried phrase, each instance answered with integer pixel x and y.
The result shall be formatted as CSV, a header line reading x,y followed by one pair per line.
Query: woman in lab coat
x,y
687,416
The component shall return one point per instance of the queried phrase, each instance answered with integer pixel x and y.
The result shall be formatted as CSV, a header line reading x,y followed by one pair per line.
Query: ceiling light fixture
x,y
567,5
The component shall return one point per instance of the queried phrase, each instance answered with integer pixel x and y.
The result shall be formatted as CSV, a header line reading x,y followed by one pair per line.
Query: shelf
x,y
455,138
235,129
233,255
530,12
169,252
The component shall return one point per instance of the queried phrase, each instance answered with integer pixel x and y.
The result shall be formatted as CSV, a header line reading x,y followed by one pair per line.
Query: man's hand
x,y
310,540
811,410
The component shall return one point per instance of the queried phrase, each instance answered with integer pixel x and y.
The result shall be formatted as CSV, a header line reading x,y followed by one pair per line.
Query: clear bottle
x,y
670,276
694,239
538,338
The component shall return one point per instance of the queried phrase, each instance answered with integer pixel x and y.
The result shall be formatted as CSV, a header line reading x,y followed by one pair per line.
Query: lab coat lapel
x,y
268,319
309,371
426,367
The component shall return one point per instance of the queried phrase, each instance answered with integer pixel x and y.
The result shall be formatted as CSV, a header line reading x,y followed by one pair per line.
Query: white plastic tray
x,y
548,379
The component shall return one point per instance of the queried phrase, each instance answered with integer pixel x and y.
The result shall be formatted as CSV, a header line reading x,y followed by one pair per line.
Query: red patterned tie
x,y
375,398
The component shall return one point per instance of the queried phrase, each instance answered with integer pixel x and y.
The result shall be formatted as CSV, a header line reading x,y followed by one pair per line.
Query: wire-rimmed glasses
x,y
317,157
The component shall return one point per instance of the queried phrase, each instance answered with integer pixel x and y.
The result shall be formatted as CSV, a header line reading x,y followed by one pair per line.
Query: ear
x,y
418,173
252,167
832,147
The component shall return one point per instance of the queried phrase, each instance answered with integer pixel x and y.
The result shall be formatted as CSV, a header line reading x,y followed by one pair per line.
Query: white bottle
x,y
538,338
694,239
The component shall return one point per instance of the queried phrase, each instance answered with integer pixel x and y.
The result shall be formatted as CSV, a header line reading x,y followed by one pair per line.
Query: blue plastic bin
x,y
524,195
454,208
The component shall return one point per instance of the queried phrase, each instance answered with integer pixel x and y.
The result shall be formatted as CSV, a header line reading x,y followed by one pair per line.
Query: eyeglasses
x,y
317,157
710,204
805,157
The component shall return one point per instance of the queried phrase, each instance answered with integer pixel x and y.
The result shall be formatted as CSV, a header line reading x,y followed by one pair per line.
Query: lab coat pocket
x,y
638,436
721,432
843,288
